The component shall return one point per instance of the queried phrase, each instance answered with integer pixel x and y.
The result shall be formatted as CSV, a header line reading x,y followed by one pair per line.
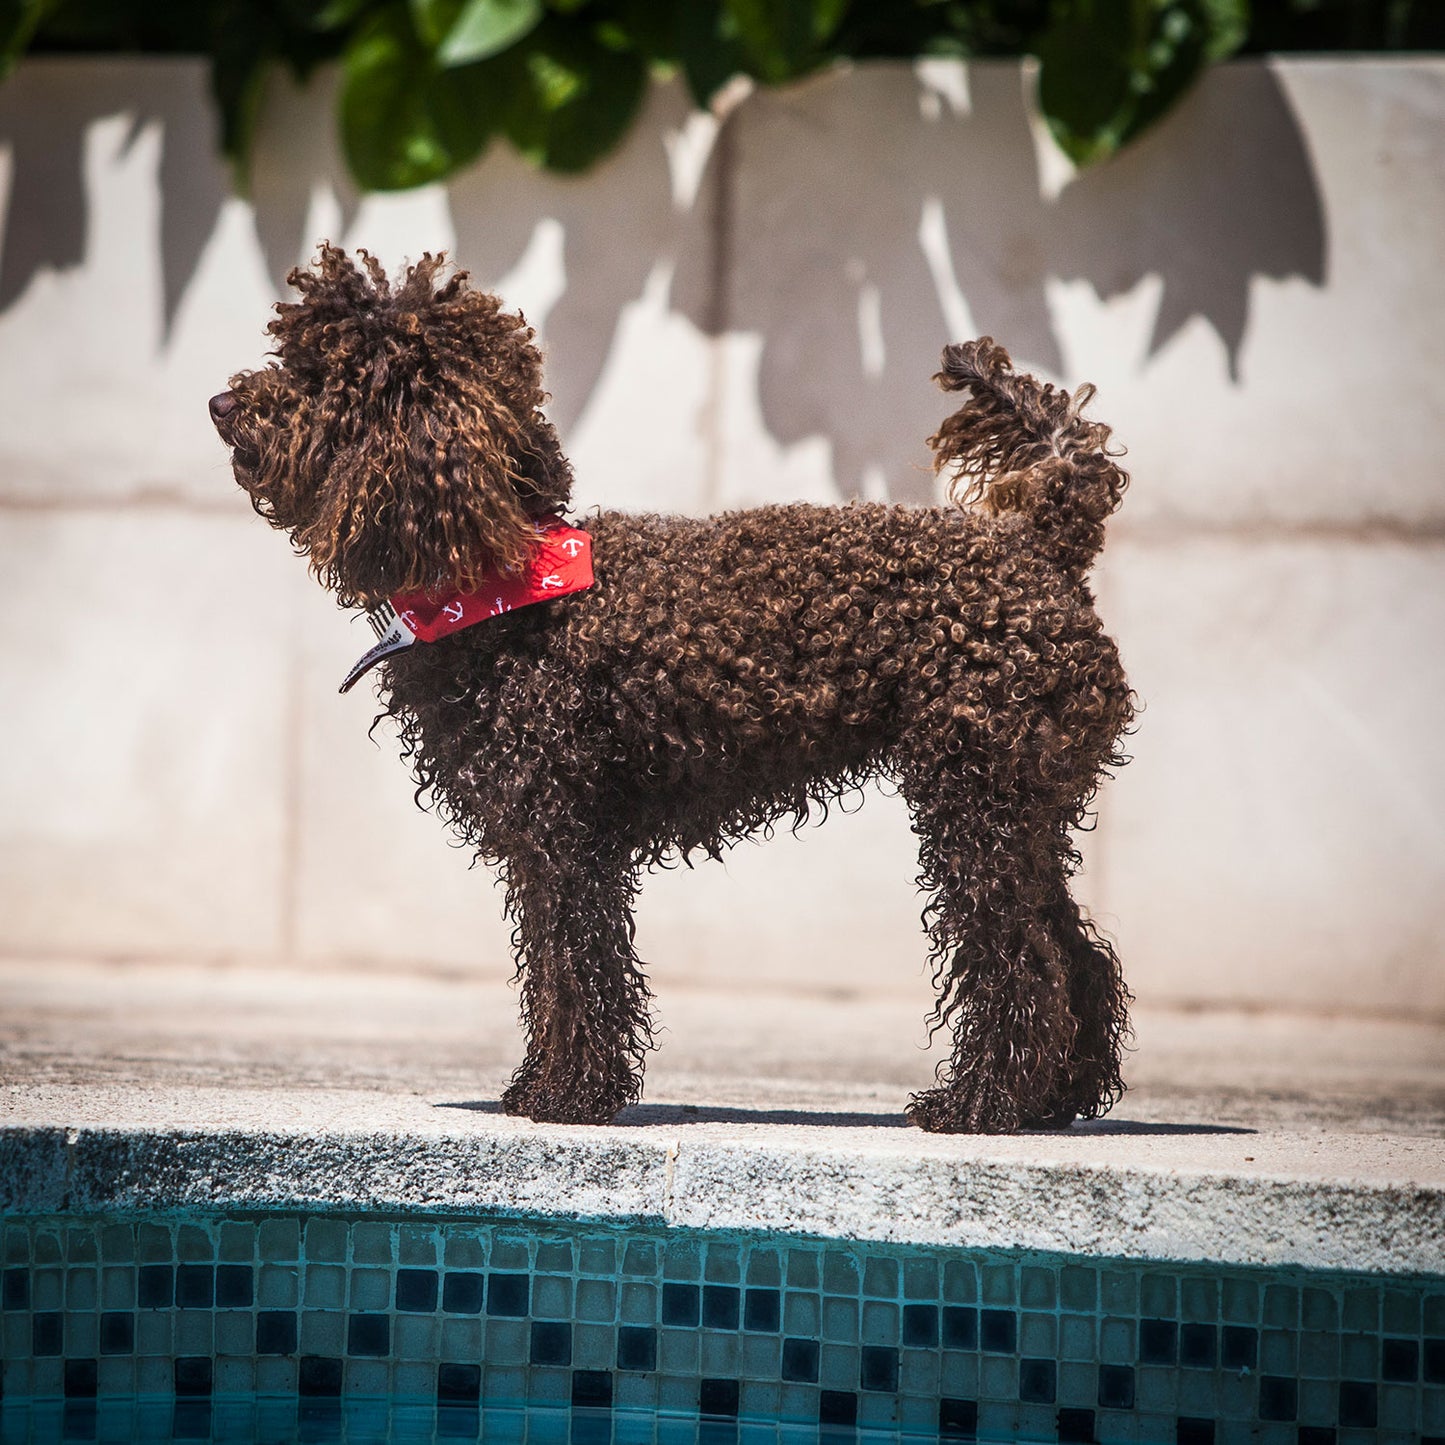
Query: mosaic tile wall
x,y
596,1322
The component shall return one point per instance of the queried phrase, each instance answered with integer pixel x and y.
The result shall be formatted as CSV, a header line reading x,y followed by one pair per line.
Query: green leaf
x,y
405,121
18,22
433,19
708,48
241,48
1109,68
1227,23
575,97
486,28
785,38
322,16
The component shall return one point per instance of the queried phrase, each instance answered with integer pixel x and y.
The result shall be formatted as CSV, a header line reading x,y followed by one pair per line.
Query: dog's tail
x,y
1018,445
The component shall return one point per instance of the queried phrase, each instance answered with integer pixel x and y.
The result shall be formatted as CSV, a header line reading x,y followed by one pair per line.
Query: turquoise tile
x,y
999,1284
598,1256
804,1269
372,1243
881,1278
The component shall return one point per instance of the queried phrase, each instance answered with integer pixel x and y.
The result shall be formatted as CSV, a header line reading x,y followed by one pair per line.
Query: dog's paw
x,y
958,1111
534,1100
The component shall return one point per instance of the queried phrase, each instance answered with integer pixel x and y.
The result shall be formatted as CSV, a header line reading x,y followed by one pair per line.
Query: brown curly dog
x,y
722,675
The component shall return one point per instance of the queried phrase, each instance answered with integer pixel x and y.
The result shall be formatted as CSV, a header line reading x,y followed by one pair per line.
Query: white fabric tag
x,y
392,635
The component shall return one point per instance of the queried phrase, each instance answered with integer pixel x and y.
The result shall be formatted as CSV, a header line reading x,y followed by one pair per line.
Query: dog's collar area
x,y
561,564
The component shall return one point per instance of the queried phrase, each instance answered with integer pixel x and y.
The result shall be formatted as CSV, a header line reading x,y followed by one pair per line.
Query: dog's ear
x,y
425,410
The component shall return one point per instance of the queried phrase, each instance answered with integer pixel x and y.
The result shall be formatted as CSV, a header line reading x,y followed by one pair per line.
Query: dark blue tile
x,y
681,1304
416,1290
762,1310
319,1376
718,1397
720,1306
1433,1356
960,1327
80,1379
276,1332
1400,1360
1158,1342
1316,1435
878,1369
1076,1427
1278,1398
920,1326
1239,1347
1116,1387
117,1332
16,1294
191,1419
80,1420
1359,1404
459,1384
462,1293
47,1334
155,1286
837,1407
368,1335
1193,1431
507,1295
998,1331
318,1418
1038,1382
1198,1346
592,1389
458,1422
636,1347
193,1375
594,1427
235,1286
551,1342
196,1286
957,1419
800,1361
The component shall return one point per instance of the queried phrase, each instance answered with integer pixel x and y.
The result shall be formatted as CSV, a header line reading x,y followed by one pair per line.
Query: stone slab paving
x,y
1244,1139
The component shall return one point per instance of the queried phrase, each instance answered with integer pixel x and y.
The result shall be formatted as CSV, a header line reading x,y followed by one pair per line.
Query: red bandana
x,y
561,564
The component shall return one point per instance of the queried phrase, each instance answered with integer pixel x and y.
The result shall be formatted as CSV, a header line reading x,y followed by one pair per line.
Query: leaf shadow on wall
x,y
47,110
618,223
871,217
855,224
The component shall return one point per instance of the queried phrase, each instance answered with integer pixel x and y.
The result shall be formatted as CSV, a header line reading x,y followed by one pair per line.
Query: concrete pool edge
x,y
954,1193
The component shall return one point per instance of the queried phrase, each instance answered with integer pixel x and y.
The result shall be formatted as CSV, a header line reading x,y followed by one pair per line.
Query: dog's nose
x,y
222,405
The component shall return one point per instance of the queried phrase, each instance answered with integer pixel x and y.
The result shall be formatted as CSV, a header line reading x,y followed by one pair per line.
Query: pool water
x,y
280,1326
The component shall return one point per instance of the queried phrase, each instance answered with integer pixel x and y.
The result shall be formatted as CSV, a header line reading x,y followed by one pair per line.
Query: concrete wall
x,y
734,314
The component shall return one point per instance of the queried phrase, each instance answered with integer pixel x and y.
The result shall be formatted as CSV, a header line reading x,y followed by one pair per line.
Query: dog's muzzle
x,y
222,406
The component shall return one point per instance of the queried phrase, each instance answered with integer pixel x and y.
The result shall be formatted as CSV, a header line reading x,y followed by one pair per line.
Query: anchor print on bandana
x,y
560,564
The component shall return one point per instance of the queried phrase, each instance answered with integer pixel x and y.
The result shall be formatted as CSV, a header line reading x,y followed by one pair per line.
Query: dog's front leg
x,y
585,1001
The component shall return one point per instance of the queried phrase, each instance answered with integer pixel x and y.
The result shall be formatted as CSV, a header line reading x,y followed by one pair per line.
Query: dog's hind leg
x,y
585,1002
993,866
1091,1083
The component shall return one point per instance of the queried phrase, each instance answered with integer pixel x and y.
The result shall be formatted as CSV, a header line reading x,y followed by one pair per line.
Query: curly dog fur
x,y
724,674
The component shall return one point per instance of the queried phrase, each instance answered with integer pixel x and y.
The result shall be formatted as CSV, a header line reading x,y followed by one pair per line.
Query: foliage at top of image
x,y
427,85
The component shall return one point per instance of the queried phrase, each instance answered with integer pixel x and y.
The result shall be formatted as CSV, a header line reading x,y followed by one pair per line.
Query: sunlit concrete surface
x,y
1244,1138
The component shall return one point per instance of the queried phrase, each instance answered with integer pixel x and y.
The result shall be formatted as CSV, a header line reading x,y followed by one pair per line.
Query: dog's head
x,y
398,436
